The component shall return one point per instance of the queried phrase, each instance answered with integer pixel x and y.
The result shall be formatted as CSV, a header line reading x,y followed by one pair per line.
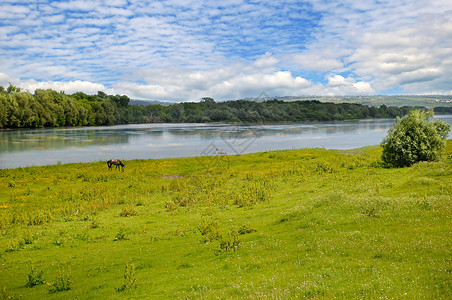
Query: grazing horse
x,y
218,152
115,162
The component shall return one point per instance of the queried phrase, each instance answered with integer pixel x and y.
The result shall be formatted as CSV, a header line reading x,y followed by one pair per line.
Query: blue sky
x,y
178,50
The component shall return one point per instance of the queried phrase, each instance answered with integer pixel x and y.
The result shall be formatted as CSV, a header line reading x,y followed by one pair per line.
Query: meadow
x,y
303,223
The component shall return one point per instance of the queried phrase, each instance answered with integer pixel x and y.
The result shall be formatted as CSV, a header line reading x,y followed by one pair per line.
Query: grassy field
x,y
285,224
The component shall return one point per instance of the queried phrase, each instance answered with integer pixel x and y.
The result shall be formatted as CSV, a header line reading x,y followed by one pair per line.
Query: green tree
x,y
100,117
71,110
13,113
11,88
207,100
414,138
178,112
121,101
219,114
3,111
25,102
86,113
101,94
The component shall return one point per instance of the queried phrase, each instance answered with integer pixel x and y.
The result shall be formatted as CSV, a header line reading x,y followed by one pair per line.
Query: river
x,y
35,147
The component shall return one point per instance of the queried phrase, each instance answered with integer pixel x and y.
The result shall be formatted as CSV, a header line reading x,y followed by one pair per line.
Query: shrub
x,y
28,238
129,279
245,229
63,280
15,245
209,230
128,212
121,235
414,138
5,295
229,243
34,277
94,223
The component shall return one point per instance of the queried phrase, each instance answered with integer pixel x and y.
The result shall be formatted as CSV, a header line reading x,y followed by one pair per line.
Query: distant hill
x,y
428,101
136,102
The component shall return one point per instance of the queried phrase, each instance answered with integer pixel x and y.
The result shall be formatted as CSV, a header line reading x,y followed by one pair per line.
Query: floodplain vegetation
x,y
289,224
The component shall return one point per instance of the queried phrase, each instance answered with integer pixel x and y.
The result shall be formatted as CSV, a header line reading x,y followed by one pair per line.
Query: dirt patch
x,y
172,176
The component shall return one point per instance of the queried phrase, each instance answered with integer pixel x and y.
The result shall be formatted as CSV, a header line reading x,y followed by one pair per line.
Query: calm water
x,y
33,147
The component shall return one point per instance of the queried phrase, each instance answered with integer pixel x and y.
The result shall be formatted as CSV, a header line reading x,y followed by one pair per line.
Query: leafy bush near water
x,y
414,138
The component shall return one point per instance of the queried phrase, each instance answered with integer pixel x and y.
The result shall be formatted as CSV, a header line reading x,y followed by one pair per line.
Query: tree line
x,y
49,108
442,110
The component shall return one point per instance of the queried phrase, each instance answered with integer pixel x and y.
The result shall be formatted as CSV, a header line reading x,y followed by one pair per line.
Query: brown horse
x,y
115,162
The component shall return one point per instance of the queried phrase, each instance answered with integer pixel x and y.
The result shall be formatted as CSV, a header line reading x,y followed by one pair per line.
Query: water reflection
x,y
49,146
44,139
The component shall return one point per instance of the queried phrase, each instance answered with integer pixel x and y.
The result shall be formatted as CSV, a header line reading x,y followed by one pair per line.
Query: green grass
x,y
283,224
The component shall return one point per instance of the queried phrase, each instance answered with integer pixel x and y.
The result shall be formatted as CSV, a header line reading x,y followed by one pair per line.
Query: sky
x,y
182,50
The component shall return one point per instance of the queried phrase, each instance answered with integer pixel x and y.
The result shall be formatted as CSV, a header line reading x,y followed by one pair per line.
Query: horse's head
x,y
120,164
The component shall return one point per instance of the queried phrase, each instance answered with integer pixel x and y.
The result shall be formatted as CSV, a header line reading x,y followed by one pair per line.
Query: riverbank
x,y
282,224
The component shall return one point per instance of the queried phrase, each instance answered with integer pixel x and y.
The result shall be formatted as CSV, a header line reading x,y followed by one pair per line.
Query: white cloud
x,y
4,79
404,57
74,5
318,61
145,91
266,60
117,3
338,80
233,82
66,86
363,88
339,85
389,45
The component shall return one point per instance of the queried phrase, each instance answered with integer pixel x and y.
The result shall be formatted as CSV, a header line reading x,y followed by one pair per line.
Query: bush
x,y
129,279
121,235
34,277
128,212
414,138
63,280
